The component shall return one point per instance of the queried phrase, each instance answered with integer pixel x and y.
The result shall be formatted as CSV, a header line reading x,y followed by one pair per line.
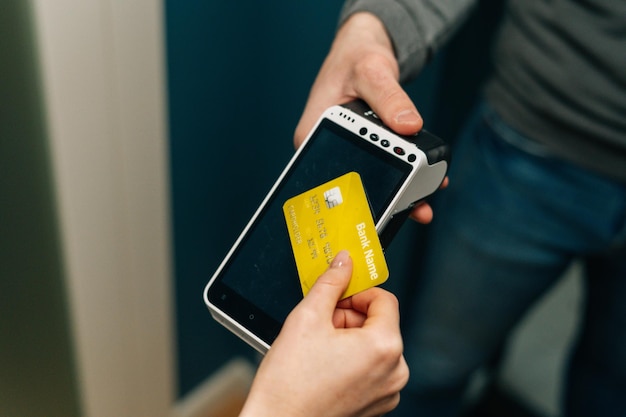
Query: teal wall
x,y
238,78
36,364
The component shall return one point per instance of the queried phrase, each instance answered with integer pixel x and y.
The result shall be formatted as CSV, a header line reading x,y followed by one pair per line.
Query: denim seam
x,y
513,137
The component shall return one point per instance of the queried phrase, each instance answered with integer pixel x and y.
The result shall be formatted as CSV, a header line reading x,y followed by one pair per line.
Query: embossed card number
x,y
332,217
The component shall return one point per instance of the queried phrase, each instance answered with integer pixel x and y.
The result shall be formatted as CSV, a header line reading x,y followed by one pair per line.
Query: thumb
x,y
329,287
398,112
380,88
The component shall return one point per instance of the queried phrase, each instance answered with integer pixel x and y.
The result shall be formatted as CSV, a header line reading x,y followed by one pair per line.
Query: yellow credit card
x,y
329,218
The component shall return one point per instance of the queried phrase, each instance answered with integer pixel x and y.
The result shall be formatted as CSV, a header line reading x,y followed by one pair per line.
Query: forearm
x,y
417,28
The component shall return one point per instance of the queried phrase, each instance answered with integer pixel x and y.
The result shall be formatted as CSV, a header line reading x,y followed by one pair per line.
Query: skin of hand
x,y
333,359
361,64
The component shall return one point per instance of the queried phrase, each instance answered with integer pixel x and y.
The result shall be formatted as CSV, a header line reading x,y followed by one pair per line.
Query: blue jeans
x,y
512,220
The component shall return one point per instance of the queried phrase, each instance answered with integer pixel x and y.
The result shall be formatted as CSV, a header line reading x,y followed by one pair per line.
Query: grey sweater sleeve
x,y
417,28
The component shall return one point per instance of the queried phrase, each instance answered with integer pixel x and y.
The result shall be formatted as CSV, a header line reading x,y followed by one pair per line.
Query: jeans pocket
x,y
511,136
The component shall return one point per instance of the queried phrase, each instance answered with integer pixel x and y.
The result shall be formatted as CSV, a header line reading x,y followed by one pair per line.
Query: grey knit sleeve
x,y
417,28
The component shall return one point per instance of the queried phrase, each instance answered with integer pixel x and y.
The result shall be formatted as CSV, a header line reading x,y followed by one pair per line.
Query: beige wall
x,y
103,82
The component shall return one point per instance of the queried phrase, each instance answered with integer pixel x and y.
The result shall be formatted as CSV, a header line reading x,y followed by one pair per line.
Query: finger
x,y
376,81
329,287
346,303
380,307
422,213
384,405
348,318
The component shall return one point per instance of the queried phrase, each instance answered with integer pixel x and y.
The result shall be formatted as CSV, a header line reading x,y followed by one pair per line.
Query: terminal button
x,y
398,150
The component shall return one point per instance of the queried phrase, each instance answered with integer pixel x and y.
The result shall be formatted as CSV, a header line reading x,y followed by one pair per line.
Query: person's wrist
x,y
261,404
366,27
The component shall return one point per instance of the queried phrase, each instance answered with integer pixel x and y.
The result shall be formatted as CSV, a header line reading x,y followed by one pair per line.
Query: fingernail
x,y
407,117
340,259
